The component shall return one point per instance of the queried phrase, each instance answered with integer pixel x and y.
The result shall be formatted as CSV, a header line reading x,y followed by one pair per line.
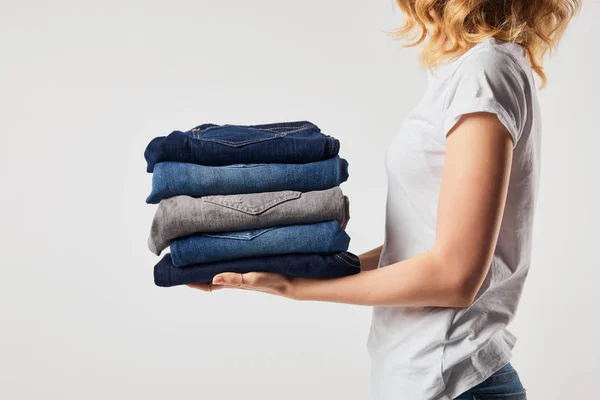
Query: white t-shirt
x,y
426,353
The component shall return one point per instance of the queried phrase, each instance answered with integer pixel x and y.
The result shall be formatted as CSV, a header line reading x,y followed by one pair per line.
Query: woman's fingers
x,y
250,280
259,281
228,279
200,286
209,287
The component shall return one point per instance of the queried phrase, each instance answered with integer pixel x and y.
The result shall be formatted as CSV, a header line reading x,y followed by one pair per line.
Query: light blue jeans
x,y
504,384
176,178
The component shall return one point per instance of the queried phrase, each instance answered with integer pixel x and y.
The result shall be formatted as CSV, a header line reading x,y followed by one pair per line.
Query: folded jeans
x,y
209,144
184,215
318,266
322,237
175,178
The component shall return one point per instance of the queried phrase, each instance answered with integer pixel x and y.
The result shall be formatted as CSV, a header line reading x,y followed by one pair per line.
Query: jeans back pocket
x,y
239,235
234,135
253,203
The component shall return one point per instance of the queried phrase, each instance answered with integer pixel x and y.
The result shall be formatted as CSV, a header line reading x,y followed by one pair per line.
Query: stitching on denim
x,y
242,165
351,261
273,201
297,129
508,396
503,377
504,373
344,260
292,128
270,129
237,143
265,205
347,262
351,256
287,127
244,142
206,128
240,237
279,125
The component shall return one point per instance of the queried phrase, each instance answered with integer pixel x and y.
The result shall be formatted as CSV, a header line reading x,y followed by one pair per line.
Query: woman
x,y
462,181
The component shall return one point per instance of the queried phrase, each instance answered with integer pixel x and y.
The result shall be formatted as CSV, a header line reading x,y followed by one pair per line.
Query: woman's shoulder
x,y
495,59
490,77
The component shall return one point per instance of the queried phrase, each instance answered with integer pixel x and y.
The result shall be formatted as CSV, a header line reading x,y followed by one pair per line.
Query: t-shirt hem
x,y
504,354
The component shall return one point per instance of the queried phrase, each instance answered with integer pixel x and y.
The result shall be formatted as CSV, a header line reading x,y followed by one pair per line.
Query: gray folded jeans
x,y
183,215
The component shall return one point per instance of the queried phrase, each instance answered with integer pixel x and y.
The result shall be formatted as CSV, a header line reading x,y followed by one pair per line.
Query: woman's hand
x,y
271,283
265,282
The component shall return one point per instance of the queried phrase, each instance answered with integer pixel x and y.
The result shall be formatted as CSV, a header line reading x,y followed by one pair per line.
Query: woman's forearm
x,y
370,259
422,280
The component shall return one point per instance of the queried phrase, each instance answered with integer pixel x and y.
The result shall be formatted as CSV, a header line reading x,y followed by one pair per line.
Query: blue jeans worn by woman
x,y
504,384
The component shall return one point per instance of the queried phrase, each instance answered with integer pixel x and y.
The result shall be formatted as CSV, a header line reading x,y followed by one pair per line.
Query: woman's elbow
x,y
461,282
455,296
461,297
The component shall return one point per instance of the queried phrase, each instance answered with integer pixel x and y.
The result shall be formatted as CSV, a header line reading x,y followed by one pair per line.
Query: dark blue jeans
x,y
322,237
504,384
209,144
176,178
321,266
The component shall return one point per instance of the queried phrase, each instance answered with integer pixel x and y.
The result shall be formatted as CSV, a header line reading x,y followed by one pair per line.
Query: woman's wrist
x,y
292,289
307,289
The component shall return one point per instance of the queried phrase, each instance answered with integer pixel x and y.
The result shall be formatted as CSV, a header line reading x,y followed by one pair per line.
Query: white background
x,y
84,86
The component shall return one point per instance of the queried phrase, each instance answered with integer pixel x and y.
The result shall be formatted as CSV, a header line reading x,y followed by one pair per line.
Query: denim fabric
x,y
502,385
209,144
183,215
174,178
322,237
321,266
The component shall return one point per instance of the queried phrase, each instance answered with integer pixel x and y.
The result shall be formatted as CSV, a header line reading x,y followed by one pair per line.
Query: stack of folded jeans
x,y
236,198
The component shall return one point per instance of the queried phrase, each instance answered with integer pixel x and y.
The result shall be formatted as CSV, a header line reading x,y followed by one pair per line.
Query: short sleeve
x,y
487,81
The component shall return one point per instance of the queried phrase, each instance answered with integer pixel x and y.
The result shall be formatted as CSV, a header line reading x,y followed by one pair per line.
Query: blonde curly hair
x,y
450,27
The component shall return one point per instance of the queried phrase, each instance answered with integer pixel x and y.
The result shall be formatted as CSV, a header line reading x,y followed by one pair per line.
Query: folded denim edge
x,y
153,247
346,217
344,174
